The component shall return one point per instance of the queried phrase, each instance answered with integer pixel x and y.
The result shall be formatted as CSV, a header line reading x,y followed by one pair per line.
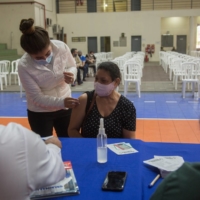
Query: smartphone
x,y
114,181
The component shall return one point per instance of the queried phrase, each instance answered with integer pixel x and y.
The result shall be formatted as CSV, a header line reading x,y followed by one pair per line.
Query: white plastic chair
x,y
3,72
178,72
1,82
14,71
7,69
121,70
189,76
120,61
132,74
175,64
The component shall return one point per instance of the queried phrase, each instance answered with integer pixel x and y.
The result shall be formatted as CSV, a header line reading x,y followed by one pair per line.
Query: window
x,y
167,41
135,5
91,6
113,5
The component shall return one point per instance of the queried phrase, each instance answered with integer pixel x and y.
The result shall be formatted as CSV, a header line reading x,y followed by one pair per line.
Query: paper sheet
x,y
165,164
121,148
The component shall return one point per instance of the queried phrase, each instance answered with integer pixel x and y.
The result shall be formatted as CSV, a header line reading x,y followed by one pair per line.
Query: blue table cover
x,y
90,174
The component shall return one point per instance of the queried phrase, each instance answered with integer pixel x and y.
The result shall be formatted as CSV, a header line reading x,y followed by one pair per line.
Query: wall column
x,y
192,35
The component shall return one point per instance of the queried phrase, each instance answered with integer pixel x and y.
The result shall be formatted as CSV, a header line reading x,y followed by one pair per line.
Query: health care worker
x,y
46,70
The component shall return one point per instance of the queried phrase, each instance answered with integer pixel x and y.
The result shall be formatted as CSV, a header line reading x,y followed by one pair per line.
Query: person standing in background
x,y
79,66
85,65
46,70
91,61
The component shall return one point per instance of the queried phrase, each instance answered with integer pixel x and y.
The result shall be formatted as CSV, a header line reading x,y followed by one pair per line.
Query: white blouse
x,y
45,86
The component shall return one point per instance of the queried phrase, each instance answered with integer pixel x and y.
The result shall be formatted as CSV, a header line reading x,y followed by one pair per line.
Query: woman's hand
x,y
71,102
69,77
54,140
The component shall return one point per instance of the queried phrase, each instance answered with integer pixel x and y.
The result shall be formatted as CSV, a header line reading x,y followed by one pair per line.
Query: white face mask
x,y
44,62
103,90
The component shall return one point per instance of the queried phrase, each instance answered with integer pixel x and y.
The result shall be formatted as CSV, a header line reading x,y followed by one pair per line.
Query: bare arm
x,y
128,134
77,117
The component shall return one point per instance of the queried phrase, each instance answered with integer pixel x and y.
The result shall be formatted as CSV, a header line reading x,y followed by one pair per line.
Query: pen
x,y
154,180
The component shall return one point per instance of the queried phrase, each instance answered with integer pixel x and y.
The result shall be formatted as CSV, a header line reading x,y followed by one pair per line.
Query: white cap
x,y
101,123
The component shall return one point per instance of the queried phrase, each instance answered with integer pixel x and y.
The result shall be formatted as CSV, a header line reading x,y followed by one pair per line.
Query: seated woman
x,y
104,102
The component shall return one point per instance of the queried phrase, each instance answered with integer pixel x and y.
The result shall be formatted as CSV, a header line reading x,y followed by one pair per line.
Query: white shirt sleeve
x,y
26,162
36,95
44,162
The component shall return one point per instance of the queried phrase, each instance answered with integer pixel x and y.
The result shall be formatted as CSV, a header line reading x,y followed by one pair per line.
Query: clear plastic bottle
x,y
101,144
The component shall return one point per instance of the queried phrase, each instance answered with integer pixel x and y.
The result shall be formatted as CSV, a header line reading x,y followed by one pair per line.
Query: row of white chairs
x,y
195,53
103,57
183,67
131,65
7,71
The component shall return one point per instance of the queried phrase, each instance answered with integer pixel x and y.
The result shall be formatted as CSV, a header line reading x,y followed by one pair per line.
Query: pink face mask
x,y
103,90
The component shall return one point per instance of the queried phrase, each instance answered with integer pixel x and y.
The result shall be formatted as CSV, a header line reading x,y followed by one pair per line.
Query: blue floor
x,y
150,105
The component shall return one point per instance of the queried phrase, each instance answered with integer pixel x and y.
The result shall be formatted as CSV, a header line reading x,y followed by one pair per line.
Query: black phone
x,y
114,181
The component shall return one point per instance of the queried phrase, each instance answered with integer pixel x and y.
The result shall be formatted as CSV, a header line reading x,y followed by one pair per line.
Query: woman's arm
x,y
33,91
128,134
129,120
77,117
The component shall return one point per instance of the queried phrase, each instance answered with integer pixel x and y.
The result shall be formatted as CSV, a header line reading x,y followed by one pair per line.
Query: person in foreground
x,y
46,70
182,184
27,162
104,102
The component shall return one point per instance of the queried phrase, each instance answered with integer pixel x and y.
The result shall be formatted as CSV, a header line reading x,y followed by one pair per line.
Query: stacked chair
x,y
185,68
131,66
4,72
9,70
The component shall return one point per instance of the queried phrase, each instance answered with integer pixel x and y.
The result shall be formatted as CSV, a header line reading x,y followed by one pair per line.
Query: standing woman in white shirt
x,y
46,70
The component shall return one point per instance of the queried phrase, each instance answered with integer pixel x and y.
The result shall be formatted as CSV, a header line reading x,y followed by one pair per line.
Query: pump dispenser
x,y
101,144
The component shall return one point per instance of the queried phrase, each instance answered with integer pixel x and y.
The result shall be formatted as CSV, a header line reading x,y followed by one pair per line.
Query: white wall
x,y
11,15
50,7
148,24
176,26
198,20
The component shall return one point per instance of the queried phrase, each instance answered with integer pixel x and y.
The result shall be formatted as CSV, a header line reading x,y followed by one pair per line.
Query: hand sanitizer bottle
x,y
101,144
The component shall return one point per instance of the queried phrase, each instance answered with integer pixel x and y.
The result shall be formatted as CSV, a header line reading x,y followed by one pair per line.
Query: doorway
x,y
92,44
105,44
136,43
181,43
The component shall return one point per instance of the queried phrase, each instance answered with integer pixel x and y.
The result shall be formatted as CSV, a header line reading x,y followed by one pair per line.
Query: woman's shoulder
x,y
86,96
59,46
126,102
89,93
58,43
25,61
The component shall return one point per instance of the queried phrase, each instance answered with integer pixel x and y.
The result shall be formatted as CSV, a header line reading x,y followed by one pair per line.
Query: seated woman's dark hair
x,y
112,68
34,38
